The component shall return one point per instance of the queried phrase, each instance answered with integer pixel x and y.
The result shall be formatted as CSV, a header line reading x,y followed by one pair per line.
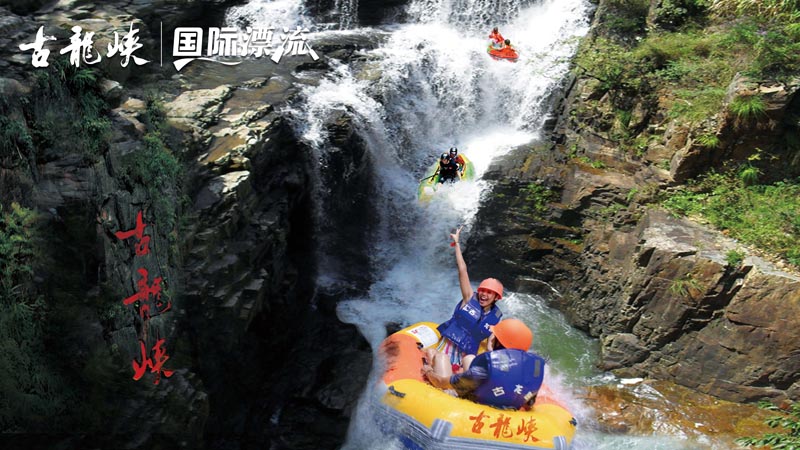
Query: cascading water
x,y
268,13
347,12
429,87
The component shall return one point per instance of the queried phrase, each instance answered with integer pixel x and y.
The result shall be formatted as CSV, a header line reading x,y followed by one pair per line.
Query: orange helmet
x,y
513,333
492,285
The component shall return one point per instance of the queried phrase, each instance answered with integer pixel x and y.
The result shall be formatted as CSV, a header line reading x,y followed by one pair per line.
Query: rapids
x,y
431,86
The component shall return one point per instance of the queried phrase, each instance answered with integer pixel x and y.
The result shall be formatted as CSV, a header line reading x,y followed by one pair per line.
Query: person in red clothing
x,y
507,51
497,38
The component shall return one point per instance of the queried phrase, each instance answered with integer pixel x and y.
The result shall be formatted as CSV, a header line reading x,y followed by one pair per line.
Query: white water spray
x,y
275,14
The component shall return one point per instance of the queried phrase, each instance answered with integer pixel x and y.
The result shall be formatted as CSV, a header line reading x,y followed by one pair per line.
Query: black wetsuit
x,y
448,171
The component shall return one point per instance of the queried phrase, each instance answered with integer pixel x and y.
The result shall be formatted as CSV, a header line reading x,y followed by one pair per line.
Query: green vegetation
x,y
15,141
674,13
762,8
591,163
709,141
537,197
767,216
32,393
155,167
626,16
682,60
686,61
790,421
66,113
681,287
748,174
611,210
734,258
748,108
696,104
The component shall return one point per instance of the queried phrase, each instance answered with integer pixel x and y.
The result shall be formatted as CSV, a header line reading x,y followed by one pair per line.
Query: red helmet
x,y
513,333
492,285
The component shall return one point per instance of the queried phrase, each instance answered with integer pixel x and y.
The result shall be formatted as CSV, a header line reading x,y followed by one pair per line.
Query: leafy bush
x,y
32,392
626,16
155,167
675,13
789,440
15,141
771,46
66,113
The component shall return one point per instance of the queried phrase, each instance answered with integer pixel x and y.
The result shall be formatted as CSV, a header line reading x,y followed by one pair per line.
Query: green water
x,y
572,354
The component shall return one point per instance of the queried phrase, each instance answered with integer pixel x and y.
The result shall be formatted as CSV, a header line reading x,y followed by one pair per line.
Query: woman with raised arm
x,y
471,322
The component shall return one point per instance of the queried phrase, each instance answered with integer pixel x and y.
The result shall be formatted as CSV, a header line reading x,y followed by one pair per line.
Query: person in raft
x,y
458,159
471,322
448,169
506,376
507,51
497,38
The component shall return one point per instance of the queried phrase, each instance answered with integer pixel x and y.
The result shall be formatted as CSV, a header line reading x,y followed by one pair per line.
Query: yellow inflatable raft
x,y
425,417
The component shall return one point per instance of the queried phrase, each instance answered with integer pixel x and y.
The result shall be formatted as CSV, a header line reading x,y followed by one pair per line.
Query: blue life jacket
x,y
469,326
514,378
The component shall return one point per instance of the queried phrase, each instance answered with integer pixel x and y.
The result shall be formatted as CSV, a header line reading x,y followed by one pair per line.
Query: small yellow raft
x,y
426,418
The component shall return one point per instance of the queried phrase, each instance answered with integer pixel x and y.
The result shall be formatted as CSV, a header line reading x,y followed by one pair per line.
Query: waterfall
x,y
473,15
347,10
277,14
432,86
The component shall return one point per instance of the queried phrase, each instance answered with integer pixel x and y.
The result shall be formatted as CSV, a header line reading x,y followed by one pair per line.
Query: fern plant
x,y
790,422
748,108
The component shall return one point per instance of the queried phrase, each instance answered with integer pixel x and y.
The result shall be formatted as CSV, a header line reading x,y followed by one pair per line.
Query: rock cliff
x,y
244,348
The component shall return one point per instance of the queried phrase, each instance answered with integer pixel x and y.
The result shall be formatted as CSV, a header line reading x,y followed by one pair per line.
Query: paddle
x,y
435,172
427,178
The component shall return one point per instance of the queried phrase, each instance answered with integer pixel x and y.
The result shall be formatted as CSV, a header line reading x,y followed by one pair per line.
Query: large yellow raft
x,y
426,418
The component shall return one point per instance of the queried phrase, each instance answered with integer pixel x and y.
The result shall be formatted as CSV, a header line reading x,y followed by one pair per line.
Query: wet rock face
x,y
681,313
657,290
23,7
373,12
273,353
640,408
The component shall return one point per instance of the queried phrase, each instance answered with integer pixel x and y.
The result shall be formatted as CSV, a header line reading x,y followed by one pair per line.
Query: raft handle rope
x,y
394,391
